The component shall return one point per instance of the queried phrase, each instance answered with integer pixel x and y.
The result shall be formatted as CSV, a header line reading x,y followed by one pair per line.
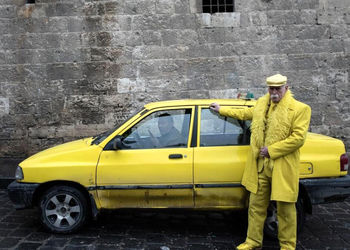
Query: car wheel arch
x,y
47,185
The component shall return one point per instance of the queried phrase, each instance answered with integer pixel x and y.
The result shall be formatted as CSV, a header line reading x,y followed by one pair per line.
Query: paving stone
x,y
28,246
9,242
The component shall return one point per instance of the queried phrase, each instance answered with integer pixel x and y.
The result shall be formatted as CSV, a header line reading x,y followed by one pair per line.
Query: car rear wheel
x,y
63,209
271,222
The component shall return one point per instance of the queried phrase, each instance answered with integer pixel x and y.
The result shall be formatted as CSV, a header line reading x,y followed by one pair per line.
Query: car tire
x,y
271,223
63,209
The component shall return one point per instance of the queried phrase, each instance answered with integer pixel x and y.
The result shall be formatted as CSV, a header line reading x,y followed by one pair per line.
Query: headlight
x,y
19,173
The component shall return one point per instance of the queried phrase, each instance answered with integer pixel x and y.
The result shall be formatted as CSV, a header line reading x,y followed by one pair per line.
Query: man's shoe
x,y
247,246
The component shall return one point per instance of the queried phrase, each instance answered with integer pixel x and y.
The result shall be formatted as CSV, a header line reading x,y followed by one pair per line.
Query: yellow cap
x,y
276,80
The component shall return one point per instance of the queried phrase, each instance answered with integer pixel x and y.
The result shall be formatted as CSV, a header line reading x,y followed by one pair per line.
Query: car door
x,y
153,165
219,160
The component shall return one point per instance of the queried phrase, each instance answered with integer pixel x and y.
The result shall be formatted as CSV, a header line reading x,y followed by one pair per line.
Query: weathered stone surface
x,y
70,69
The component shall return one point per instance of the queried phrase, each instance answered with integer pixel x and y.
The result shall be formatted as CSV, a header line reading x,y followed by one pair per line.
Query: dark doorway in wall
x,y
213,6
30,1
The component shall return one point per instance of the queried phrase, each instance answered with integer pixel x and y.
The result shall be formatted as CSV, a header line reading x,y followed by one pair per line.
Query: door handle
x,y
175,156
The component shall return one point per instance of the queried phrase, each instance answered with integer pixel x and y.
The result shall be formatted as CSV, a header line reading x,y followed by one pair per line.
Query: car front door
x,y
153,164
219,160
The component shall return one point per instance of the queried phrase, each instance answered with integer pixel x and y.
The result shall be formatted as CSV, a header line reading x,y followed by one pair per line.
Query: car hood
x,y
67,152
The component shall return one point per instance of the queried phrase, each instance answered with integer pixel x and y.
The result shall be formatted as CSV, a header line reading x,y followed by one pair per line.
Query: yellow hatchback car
x,y
172,154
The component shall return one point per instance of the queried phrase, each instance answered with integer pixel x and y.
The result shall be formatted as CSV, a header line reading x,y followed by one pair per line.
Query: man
x,y
169,135
278,130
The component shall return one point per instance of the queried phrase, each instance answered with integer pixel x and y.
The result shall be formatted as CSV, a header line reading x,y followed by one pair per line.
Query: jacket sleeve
x,y
240,114
297,137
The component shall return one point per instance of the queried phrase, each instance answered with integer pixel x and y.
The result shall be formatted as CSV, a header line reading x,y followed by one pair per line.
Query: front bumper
x,y
21,194
327,190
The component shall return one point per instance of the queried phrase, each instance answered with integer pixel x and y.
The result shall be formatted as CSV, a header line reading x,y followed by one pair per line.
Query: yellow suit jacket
x,y
286,133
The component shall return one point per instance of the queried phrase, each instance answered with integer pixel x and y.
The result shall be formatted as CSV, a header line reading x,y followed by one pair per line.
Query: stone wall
x,y
73,68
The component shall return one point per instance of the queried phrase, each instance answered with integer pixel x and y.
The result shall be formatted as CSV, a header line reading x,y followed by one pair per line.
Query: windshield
x,y
97,139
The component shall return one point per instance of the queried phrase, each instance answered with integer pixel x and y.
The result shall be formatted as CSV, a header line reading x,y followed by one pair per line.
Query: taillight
x,y
344,162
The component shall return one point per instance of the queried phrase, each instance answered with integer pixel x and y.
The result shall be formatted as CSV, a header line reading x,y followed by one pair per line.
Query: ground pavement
x,y
327,228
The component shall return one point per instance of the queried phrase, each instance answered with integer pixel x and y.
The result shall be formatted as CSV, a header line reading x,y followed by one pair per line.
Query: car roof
x,y
201,102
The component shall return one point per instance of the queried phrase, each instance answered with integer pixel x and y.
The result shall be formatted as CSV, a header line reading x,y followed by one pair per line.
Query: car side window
x,y
217,130
161,129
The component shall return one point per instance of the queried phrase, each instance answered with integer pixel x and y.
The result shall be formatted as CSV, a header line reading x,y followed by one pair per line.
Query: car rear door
x,y
149,169
219,160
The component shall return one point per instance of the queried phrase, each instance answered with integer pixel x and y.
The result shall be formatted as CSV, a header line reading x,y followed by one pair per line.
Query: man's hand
x,y
264,152
215,107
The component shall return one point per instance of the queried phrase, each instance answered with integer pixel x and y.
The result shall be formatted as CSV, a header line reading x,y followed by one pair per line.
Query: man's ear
x,y
287,87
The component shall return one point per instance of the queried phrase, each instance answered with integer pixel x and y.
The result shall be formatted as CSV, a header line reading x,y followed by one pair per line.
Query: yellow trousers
x,y
286,215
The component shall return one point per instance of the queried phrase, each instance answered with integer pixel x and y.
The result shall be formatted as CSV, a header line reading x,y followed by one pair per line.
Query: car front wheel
x,y
63,209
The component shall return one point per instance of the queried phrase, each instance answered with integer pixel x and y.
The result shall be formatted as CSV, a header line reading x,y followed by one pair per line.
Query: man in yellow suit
x,y
279,127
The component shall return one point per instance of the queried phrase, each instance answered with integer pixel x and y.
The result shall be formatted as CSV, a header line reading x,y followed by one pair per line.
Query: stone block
x,y
103,39
211,35
154,22
165,7
158,52
64,9
182,6
4,106
94,71
160,67
184,21
114,7
3,57
302,61
292,17
310,4
151,37
75,24
65,71
83,101
93,9
170,83
10,74
140,7
117,22
8,42
209,66
127,85
205,81
121,55
225,19
118,39
250,63
112,70
330,16
233,35
7,11
222,50
92,23
133,38
204,19
255,33
184,37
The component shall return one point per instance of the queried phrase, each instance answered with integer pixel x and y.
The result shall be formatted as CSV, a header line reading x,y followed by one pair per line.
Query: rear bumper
x,y
21,194
327,190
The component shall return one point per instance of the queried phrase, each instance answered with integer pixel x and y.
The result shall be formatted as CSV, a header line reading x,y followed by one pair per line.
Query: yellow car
x,y
172,154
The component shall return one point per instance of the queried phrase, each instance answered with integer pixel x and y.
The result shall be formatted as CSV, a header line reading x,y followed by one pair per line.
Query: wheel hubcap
x,y
63,210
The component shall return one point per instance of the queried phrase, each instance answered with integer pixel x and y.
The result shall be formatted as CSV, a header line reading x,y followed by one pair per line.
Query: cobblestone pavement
x,y
327,228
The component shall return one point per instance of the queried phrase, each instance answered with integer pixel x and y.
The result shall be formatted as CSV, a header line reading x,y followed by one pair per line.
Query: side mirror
x,y
117,143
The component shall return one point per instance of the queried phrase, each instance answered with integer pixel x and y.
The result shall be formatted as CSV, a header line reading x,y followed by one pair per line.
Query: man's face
x,y
277,93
